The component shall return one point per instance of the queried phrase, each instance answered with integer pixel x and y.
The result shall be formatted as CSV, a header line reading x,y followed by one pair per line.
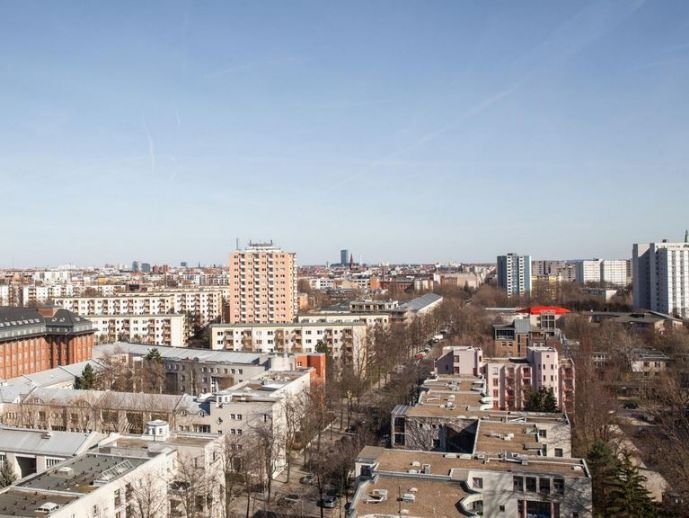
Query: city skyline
x,y
450,133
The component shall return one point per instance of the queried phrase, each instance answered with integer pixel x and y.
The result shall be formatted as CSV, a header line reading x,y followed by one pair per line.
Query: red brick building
x,y
32,340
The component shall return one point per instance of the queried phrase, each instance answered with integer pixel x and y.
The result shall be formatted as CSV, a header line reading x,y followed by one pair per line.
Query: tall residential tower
x,y
660,272
263,285
514,274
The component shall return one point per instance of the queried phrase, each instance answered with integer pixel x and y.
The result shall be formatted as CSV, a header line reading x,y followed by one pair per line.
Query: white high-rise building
x,y
660,272
588,271
604,271
613,272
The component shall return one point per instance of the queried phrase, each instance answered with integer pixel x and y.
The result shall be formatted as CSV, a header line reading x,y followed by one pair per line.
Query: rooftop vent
x,y
48,507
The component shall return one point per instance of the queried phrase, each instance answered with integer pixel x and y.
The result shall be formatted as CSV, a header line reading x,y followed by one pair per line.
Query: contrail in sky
x,y
151,146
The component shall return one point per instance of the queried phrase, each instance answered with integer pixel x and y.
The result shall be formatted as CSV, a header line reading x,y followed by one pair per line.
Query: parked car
x,y
329,502
309,478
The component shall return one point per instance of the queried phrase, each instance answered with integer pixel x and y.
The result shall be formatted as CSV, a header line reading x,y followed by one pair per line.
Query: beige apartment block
x,y
346,341
263,285
202,305
161,329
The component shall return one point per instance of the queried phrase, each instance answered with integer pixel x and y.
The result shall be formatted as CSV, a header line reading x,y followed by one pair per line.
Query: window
x,y
559,486
543,433
51,461
558,452
544,485
518,483
531,484
477,482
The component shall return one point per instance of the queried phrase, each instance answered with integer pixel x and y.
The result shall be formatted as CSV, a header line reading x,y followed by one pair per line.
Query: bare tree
x,y
193,487
147,496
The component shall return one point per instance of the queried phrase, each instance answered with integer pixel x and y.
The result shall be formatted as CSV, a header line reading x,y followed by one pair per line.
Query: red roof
x,y
538,310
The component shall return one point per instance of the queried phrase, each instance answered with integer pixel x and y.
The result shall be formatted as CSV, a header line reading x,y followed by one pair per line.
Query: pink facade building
x,y
263,285
508,381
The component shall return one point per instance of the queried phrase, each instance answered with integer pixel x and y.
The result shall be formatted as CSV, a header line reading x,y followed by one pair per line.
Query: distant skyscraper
x,y
514,274
344,257
263,285
183,264
146,267
135,266
660,273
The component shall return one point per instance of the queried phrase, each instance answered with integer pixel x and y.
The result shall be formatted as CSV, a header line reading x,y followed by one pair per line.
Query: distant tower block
x,y
344,257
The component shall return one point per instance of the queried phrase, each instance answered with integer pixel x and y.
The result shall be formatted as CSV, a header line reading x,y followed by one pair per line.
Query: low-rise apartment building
x,y
203,371
233,411
200,306
422,484
370,319
346,342
153,329
97,484
417,307
508,381
455,414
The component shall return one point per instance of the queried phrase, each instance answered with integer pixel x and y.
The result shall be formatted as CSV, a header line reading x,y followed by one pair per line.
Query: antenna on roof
x,y
236,243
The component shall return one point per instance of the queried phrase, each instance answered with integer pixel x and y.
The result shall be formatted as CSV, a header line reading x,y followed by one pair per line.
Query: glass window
x,y
518,483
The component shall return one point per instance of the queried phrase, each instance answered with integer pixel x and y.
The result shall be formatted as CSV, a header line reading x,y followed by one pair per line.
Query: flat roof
x,y
15,502
182,353
135,441
82,474
400,461
496,437
434,498
290,324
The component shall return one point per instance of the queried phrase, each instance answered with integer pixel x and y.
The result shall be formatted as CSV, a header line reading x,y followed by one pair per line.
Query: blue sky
x,y
401,130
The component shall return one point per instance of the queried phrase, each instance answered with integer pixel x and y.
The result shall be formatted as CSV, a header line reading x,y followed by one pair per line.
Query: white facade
x,y
588,271
613,272
661,277
150,329
203,305
346,341
109,483
606,271
370,319
321,283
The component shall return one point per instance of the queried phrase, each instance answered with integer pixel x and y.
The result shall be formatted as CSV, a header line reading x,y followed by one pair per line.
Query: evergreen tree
x,y
549,401
603,465
628,497
154,355
533,401
7,474
87,380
